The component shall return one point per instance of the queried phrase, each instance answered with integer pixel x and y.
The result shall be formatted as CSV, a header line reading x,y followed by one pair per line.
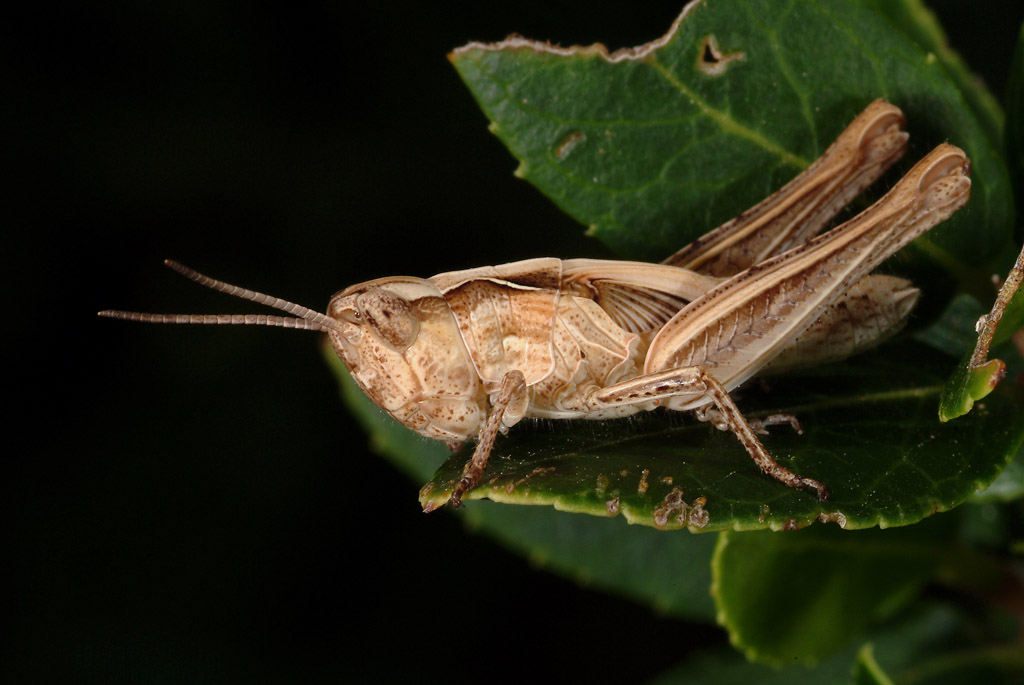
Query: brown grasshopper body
x,y
468,354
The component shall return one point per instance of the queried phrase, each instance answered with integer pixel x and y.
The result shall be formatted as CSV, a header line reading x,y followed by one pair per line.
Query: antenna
x,y
304,319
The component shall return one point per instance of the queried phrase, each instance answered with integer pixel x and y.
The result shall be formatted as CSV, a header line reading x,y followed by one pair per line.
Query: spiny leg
x,y
512,383
743,431
694,382
716,418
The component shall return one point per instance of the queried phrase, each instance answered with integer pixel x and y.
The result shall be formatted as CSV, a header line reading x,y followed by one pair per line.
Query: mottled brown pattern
x,y
506,328
875,308
591,352
429,384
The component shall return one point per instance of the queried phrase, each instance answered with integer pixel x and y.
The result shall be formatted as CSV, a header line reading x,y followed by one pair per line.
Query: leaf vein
x,y
727,123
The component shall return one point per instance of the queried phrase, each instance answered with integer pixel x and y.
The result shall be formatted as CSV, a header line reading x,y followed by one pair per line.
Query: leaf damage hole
x,y
568,144
712,61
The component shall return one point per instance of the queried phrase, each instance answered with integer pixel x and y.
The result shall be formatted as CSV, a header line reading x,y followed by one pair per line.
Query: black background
x,y
195,504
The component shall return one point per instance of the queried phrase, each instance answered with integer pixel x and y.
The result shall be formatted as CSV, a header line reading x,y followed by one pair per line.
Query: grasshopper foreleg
x,y
694,381
511,385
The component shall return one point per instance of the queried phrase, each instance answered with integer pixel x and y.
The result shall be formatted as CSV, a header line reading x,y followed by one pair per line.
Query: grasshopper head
x,y
397,336
402,345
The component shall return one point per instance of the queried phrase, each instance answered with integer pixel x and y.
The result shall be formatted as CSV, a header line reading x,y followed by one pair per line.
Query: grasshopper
x,y
469,354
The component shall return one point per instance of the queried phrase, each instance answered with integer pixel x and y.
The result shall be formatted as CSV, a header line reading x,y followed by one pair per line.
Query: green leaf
x,y
967,385
651,150
934,643
870,434
781,596
671,574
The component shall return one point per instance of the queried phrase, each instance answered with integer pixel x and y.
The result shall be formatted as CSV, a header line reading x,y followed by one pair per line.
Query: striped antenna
x,y
304,317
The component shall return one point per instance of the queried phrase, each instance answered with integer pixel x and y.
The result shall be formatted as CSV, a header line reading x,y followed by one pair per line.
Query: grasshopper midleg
x,y
469,354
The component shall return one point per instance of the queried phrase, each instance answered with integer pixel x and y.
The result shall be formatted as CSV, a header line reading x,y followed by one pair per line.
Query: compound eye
x,y
392,316
351,316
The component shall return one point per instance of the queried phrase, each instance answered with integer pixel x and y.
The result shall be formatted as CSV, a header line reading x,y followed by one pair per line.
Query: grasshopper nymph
x,y
468,354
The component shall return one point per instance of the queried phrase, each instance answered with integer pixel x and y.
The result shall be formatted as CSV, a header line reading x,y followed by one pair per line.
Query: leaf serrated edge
x,y
633,516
